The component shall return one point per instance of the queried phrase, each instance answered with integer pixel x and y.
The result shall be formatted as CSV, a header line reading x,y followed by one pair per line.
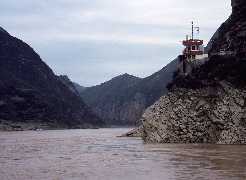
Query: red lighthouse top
x,y
193,42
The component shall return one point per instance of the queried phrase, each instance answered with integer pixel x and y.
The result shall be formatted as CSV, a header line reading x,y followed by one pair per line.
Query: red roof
x,y
191,42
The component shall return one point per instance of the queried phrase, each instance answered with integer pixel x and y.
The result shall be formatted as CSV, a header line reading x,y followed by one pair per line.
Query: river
x,y
100,155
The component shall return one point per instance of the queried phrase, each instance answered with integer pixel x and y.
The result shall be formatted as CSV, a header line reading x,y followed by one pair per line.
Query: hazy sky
x,y
94,40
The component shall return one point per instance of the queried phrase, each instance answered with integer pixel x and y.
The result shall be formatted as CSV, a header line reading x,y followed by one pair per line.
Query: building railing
x,y
193,52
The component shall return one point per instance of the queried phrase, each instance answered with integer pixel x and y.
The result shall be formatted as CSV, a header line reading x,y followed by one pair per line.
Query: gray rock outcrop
x,y
136,132
231,35
208,115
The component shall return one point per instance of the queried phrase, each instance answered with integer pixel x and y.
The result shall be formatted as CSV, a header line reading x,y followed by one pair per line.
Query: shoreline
x,y
8,126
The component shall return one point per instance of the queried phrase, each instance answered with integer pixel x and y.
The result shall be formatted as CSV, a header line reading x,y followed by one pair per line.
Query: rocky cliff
x,y
231,36
30,93
207,106
122,100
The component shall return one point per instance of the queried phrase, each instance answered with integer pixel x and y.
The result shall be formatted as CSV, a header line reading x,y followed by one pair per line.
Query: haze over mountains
x,y
94,41
32,93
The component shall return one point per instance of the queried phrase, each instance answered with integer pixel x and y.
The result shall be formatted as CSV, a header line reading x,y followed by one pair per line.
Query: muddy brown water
x,y
99,155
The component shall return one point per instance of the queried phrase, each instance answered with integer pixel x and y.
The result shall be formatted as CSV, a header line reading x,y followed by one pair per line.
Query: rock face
x,y
238,6
122,100
136,132
196,117
206,107
231,36
31,93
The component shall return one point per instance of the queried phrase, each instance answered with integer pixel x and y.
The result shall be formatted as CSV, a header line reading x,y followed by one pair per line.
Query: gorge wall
x,y
30,93
231,36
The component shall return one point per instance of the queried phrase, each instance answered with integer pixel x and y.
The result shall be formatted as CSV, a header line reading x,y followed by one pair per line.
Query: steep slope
x,y
31,93
122,100
231,36
208,106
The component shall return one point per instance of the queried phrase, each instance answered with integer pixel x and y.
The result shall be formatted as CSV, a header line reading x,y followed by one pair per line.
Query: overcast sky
x,y
92,41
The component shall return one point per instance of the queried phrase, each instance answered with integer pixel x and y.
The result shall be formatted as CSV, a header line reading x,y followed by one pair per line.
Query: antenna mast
x,y
192,34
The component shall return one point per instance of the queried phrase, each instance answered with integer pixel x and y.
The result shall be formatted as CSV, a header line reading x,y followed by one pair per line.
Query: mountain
x,y
208,105
122,100
109,100
30,93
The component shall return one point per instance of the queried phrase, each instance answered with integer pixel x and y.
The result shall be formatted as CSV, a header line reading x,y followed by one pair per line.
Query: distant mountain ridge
x,y
122,100
31,93
107,99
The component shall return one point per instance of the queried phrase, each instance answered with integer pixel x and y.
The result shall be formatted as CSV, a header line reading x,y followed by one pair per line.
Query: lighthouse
x,y
193,54
194,48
